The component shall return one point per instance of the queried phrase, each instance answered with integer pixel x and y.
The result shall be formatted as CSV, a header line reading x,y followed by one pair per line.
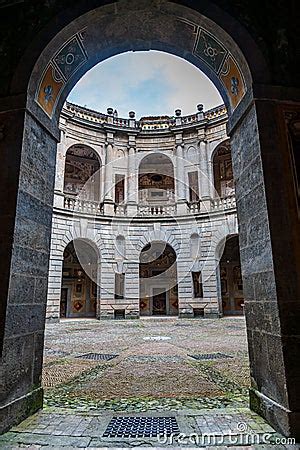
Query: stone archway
x,y
82,172
158,280
231,282
259,112
222,167
79,292
156,180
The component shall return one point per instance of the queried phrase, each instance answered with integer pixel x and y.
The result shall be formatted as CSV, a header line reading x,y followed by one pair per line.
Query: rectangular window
x,y
119,285
193,186
197,284
119,189
119,314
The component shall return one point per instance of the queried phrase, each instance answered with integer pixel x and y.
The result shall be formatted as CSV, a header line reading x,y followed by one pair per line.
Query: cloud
x,y
149,83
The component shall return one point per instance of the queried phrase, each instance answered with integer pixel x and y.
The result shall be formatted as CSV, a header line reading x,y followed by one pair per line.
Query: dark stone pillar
x,y
269,247
26,194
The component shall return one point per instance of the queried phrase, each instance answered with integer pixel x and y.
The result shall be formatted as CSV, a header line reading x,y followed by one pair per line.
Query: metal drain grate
x,y
154,358
206,356
132,427
97,356
51,352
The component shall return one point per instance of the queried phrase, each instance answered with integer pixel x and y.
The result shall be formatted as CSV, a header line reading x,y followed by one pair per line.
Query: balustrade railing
x,y
223,203
156,210
95,208
186,120
194,207
120,210
144,124
83,206
121,122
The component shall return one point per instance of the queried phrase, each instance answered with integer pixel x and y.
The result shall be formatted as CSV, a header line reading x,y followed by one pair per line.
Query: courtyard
x,y
195,371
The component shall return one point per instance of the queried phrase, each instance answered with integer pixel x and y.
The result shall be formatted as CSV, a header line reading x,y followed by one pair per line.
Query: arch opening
x,y
156,180
82,172
231,281
222,169
158,280
79,291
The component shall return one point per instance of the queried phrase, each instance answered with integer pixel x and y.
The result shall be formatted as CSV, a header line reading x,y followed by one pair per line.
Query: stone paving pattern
x,y
152,375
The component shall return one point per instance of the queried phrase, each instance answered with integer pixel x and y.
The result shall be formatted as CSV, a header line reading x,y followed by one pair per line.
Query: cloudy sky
x,y
149,83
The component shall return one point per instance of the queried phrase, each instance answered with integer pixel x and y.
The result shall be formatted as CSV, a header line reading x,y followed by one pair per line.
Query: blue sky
x,y
149,83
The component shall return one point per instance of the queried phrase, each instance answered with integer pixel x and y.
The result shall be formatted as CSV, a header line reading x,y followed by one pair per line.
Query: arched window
x,y
82,172
231,278
120,247
195,246
222,166
79,280
156,179
158,280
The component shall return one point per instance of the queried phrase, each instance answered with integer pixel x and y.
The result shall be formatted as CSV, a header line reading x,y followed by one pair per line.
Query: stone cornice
x,y
145,126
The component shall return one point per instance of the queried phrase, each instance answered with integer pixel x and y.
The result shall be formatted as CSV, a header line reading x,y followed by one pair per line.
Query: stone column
x,y
54,287
205,178
210,171
269,248
60,170
28,154
180,187
108,174
132,290
132,179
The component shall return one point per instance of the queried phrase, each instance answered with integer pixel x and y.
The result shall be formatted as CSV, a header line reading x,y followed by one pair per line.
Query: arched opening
x,y
120,248
156,180
223,173
158,280
195,250
66,45
79,280
82,172
231,281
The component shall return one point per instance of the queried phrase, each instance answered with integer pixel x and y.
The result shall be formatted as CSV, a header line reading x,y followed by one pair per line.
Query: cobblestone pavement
x,y
150,371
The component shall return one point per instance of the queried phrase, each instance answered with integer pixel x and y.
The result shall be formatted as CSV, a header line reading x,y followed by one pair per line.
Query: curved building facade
x,y
144,219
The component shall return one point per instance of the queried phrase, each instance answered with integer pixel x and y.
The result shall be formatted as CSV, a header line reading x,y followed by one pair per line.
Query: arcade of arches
x,y
174,195
45,51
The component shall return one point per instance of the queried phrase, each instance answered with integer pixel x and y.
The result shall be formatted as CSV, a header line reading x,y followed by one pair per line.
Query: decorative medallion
x,y
67,60
77,306
232,78
210,50
50,88
175,303
70,57
143,304
219,59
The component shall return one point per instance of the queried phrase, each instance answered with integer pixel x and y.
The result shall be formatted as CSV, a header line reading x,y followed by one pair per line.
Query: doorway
x,y
158,280
231,278
159,303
